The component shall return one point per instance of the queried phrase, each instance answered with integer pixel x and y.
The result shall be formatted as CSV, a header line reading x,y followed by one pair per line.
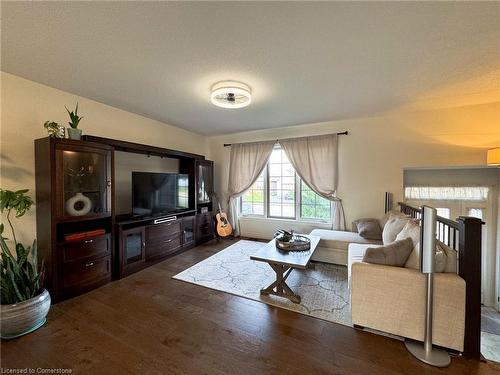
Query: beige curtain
x,y
246,163
315,159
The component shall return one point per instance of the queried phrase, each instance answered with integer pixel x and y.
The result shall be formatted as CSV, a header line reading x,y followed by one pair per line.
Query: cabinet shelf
x,y
69,219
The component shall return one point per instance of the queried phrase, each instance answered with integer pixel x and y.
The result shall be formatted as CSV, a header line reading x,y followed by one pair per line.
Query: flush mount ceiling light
x,y
231,94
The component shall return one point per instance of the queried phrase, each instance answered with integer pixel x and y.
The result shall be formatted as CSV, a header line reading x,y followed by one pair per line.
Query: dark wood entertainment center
x,y
83,250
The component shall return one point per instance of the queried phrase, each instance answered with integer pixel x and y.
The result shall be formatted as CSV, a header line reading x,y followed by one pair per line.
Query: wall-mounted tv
x,y
155,194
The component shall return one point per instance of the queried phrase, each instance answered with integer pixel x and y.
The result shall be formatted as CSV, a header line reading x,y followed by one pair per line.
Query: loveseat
x,y
392,299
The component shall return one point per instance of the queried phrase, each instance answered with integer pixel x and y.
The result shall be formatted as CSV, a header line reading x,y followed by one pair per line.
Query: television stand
x,y
144,242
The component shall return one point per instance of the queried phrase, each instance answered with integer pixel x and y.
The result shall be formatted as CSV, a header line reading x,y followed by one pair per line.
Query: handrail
x,y
444,220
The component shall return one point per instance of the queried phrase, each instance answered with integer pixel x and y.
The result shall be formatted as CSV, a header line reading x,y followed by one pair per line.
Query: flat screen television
x,y
155,194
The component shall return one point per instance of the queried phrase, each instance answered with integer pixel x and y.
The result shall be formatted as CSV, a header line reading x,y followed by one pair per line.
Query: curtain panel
x,y
247,161
315,160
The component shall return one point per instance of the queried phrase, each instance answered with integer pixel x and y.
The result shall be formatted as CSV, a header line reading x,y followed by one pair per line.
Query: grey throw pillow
x,y
394,254
369,229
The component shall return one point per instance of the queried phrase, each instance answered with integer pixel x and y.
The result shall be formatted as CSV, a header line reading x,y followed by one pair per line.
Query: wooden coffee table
x,y
283,262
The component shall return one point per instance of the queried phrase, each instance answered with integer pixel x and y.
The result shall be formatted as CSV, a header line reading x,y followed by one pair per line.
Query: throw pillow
x,y
410,230
394,254
369,229
440,260
413,260
387,215
451,257
392,228
445,258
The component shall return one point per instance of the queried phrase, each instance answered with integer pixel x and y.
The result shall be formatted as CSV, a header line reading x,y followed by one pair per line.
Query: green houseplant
x,y
73,131
54,129
24,302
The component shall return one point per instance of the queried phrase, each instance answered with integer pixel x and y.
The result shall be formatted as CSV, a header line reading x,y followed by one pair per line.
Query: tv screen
x,y
159,193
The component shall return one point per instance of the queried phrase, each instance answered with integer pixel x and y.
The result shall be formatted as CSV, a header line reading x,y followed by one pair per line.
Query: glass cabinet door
x,y
133,245
85,183
188,229
204,183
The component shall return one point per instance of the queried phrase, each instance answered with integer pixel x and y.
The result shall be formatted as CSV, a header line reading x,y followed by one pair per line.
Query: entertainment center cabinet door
x,y
83,182
132,250
204,181
204,227
188,228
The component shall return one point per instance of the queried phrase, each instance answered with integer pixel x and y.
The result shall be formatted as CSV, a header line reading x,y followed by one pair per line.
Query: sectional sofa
x,y
392,299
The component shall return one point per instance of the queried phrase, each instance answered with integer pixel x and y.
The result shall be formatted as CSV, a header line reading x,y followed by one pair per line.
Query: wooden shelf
x,y
69,219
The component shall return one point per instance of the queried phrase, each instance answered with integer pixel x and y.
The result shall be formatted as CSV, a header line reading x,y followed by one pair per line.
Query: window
x,y
281,185
312,206
475,212
465,193
280,193
252,201
443,212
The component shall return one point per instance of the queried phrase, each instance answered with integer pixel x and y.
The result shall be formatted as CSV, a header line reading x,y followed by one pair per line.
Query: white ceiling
x,y
306,62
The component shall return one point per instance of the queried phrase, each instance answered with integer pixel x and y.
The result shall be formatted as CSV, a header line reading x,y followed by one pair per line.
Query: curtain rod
x,y
341,133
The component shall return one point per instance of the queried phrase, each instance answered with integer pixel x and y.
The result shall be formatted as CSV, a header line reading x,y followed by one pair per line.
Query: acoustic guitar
x,y
224,229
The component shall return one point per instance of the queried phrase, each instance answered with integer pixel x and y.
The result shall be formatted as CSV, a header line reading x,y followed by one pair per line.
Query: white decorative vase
x,y
83,200
24,317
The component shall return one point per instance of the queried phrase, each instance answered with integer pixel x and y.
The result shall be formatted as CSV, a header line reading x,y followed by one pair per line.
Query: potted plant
x,y
73,131
24,302
54,129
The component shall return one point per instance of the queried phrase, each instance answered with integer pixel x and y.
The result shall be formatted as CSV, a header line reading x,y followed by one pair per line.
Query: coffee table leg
x,y
279,287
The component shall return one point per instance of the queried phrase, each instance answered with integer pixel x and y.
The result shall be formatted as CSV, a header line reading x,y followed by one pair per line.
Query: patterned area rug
x,y
323,290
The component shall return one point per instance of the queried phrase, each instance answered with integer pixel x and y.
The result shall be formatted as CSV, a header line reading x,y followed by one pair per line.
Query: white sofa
x,y
333,246
392,299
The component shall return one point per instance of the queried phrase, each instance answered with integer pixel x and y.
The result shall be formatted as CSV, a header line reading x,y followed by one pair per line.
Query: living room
x,y
258,119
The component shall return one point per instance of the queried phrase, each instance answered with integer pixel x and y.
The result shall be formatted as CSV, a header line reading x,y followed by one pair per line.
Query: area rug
x,y
323,289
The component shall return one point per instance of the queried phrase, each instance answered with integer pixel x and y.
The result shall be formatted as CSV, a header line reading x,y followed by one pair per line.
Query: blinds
x,y
462,193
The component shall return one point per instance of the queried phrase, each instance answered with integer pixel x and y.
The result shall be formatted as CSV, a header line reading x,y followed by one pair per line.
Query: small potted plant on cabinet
x,y
54,130
73,131
24,302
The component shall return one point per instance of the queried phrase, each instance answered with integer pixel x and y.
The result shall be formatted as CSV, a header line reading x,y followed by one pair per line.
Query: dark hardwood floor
x,y
149,323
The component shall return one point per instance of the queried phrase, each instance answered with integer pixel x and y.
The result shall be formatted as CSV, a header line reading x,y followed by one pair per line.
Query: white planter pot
x,y
24,317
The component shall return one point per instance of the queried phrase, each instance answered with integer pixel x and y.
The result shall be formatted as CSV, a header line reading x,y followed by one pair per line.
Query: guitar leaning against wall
x,y
223,228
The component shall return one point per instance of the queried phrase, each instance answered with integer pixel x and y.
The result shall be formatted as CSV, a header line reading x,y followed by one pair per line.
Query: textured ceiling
x,y
306,62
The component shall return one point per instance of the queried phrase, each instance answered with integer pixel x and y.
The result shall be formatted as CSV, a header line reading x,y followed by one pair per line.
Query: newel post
x,y
469,266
